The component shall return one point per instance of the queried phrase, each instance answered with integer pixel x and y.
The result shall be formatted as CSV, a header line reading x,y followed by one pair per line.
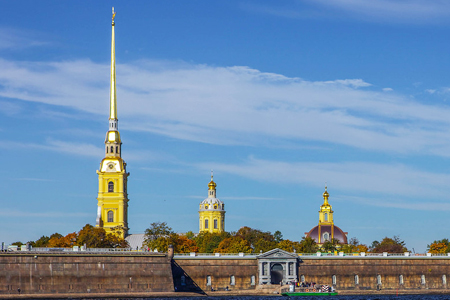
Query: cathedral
x,y
112,210
112,197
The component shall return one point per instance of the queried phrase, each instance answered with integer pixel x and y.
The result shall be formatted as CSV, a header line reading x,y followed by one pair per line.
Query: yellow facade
x,y
112,210
212,212
325,212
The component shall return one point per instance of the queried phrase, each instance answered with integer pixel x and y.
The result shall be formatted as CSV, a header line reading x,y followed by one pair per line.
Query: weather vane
x,y
113,14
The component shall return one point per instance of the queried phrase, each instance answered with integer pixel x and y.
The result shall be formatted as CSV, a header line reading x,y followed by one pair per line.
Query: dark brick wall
x,y
81,273
389,269
220,271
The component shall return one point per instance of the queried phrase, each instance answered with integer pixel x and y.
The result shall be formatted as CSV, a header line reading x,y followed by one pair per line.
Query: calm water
x,y
366,297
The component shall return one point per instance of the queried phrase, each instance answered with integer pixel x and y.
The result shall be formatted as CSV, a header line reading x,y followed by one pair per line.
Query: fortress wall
x,y
36,273
321,270
220,269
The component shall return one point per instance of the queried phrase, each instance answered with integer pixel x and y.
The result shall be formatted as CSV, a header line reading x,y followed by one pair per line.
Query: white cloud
x,y
395,185
387,89
11,38
235,105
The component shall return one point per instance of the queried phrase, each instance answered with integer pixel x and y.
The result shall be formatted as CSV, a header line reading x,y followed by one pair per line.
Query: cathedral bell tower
x,y
112,210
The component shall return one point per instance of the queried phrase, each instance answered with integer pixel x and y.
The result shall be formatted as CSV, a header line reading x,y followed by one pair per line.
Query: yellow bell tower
x,y
326,222
112,210
212,211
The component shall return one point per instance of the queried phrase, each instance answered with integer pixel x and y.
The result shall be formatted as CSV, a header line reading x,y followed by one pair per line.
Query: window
x,y
211,193
183,280
215,223
208,280
232,280
263,265
326,236
110,187
379,279
444,279
325,217
333,279
112,149
215,206
206,206
422,279
400,279
206,224
302,278
356,279
110,216
117,149
253,280
223,206
107,149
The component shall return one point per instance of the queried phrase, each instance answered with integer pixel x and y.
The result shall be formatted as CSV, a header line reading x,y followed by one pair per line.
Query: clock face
x,y
111,166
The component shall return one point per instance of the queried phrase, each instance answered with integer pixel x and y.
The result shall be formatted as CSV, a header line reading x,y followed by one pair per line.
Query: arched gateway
x,y
277,266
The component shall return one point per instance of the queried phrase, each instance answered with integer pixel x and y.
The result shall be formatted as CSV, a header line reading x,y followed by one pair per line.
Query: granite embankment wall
x,y
419,274
37,273
372,273
204,273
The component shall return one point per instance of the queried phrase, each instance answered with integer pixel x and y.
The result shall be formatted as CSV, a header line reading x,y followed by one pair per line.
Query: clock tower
x,y
112,210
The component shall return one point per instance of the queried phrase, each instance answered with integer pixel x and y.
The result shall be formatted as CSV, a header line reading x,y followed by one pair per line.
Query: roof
x,y
338,234
135,240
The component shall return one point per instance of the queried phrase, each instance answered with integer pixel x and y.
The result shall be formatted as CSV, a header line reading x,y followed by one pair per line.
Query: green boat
x,y
323,290
299,293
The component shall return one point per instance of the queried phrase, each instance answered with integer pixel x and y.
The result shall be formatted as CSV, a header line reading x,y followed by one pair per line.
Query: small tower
x,y
112,210
326,230
212,211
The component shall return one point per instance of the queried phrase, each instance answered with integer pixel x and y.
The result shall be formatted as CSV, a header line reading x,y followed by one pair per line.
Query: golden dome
x,y
212,185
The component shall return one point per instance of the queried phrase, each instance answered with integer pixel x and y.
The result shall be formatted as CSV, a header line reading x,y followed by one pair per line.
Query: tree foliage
x,y
391,245
440,246
308,245
234,244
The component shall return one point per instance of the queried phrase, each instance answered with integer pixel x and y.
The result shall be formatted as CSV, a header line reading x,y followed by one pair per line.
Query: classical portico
x,y
277,266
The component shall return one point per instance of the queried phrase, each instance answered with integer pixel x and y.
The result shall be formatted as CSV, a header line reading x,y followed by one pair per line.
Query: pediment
x,y
278,254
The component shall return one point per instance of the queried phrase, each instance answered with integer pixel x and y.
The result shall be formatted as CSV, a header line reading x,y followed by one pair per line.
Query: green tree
x,y
207,242
288,245
18,244
41,242
308,245
159,236
391,245
258,240
330,246
278,236
234,244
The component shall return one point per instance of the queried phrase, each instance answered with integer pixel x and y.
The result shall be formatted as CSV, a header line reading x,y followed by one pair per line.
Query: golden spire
x,y
113,102
325,196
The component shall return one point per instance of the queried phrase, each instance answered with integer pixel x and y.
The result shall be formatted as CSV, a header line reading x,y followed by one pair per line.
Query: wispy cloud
x,y
386,11
387,181
11,38
81,149
236,105
48,214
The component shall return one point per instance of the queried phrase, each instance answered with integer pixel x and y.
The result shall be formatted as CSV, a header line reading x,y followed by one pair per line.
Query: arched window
x,y
206,224
110,216
325,216
356,279
400,279
252,280
208,280
117,149
302,278
422,279
215,223
326,236
333,280
112,149
232,280
107,149
110,187
379,279
444,279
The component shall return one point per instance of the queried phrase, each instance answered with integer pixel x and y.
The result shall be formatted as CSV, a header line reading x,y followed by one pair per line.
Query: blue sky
x,y
278,97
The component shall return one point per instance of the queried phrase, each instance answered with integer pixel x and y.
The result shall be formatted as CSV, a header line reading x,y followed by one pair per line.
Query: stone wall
x,y
36,273
220,269
371,273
